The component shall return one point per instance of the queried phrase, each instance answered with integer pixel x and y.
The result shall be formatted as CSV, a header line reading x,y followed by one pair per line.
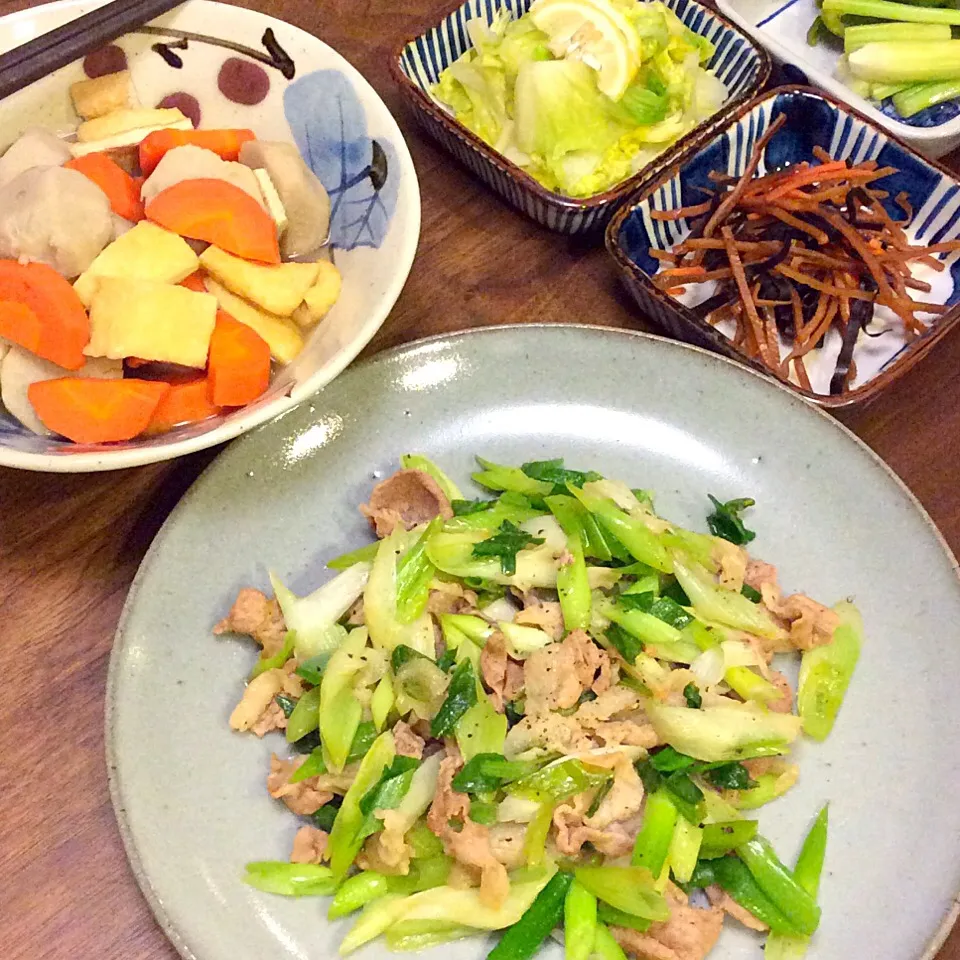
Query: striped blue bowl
x,y
813,120
741,64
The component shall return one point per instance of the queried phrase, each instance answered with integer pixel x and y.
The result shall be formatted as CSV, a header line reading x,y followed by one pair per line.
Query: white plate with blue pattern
x,y
313,98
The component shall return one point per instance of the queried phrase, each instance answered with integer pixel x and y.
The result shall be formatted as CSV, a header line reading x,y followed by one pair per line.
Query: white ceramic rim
x,y
106,459
937,938
924,136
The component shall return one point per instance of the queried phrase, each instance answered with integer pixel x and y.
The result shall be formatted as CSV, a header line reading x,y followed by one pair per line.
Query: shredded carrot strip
x,y
802,375
834,170
745,246
732,198
679,214
821,285
740,278
691,272
813,336
802,225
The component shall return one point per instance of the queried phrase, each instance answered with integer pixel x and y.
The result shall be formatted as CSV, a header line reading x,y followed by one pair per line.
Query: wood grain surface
x,y
70,545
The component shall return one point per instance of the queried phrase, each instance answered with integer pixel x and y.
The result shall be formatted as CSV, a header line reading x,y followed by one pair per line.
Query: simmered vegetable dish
x,y
152,275
548,709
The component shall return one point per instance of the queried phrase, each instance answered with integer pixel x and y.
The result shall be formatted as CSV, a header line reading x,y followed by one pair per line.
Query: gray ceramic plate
x,y
189,794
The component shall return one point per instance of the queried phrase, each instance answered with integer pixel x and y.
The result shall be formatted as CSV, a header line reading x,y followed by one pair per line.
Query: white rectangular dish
x,y
782,25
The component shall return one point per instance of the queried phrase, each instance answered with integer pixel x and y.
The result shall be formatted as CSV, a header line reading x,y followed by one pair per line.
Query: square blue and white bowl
x,y
813,120
742,65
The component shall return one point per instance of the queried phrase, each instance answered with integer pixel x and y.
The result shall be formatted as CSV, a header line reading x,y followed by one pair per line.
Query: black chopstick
x,y
51,51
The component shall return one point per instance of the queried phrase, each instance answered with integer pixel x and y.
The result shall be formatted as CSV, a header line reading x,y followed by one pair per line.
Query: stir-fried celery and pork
x,y
547,709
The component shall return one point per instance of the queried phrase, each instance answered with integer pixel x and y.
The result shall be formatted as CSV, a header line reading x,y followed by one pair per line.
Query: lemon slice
x,y
594,32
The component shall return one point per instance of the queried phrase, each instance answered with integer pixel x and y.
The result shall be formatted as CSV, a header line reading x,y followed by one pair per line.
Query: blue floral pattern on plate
x,y
330,130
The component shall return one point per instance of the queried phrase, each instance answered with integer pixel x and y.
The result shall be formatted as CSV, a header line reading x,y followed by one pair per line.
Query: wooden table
x,y
70,545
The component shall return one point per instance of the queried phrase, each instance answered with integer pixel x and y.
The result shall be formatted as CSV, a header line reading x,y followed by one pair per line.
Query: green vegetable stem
x,y
521,941
579,922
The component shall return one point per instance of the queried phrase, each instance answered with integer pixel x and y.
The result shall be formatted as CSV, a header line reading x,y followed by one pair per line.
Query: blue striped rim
x,y
735,61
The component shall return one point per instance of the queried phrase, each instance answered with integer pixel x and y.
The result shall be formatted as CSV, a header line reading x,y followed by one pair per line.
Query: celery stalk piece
x,y
888,10
860,35
642,543
579,922
880,91
278,659
408,935
573,586
464,905
419,685
476,628
605,946
684,849
559,780
833,21
290,879
364,554
356,892
630,889
652,846
382,702
380,600
719,811
713,602
414,574
345,840
305,717
535,840
374,919
907,61
481,729
497,477
916,97
417,461
718,839
340,712
415,803
749,685
769,787
826,672
734,732
314,618
452,552
644,626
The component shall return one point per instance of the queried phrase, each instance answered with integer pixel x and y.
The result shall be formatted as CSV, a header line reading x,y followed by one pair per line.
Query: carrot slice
x,y
62,327
238,364
20,324
194,282
221,214
96,411
183,403
225,143
122,190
